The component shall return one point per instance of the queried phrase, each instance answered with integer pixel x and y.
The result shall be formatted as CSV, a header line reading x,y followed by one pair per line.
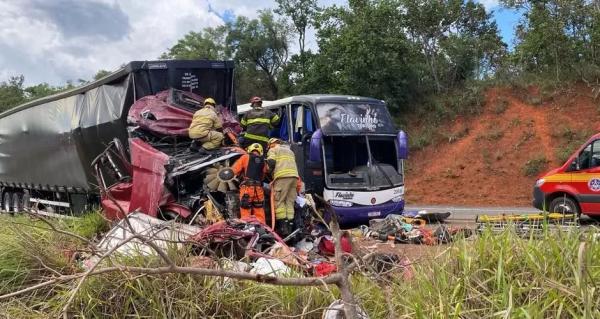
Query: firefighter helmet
x,y
255,147
274,140
210,101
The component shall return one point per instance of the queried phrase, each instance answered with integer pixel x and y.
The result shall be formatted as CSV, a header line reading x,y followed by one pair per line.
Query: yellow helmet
x,y
255,147
274,140
210,101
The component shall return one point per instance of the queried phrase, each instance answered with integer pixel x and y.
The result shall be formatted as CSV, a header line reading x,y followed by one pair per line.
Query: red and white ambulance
x,y
575,186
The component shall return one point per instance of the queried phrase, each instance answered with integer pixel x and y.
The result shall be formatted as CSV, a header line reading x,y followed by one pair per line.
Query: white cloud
x,y
34,45
51,41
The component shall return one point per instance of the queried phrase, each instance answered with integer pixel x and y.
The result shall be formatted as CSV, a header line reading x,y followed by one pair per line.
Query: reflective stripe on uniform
x,y
256,137
275,119
283,158
288,172
285,162
257,121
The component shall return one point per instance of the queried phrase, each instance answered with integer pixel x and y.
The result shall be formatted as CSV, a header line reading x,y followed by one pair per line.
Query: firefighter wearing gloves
x,y
257,123
251,167
205,127
286,182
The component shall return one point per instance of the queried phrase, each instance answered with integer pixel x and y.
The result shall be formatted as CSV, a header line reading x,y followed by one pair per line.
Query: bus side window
x,y
302,122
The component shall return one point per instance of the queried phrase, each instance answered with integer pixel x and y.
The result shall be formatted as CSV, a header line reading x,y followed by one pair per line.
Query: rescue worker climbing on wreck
x,y
205,127
252,169
286,184
257,123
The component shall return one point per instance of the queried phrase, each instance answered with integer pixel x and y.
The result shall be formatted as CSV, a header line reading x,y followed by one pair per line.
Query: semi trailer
x,y
63,152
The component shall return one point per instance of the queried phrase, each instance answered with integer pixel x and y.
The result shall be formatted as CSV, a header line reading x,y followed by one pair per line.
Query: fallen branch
x,y
266,279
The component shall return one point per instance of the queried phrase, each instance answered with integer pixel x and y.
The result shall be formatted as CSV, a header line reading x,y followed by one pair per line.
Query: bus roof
x,y
309,98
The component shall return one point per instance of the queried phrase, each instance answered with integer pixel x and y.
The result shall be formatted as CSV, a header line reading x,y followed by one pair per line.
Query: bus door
x,y
303,126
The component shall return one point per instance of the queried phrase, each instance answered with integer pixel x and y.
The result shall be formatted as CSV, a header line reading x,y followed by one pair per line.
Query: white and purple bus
x,y
347,149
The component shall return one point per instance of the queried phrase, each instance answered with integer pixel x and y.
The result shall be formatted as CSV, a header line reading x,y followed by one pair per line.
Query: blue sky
x,y
59,40
507,19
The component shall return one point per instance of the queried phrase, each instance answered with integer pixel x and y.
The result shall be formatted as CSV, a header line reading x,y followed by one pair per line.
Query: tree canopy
x,y
401,51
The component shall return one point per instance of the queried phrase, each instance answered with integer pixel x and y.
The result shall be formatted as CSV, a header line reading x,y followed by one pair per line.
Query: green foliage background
x,y
418,55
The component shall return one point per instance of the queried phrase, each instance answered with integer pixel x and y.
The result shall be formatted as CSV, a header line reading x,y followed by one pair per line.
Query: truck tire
x,y
7,202
17,202
564,205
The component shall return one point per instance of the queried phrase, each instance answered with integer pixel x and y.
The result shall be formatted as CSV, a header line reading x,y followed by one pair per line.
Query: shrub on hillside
x,y
500,106
535,166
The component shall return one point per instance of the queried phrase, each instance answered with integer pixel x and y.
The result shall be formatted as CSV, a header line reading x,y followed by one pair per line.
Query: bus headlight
x,y
397,199
540,182
340,203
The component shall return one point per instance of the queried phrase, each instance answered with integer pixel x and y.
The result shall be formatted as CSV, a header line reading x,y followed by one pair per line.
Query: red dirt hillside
x,y
484,159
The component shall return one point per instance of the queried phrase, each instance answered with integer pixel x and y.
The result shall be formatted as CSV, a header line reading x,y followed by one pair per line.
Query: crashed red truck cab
x,y
163,177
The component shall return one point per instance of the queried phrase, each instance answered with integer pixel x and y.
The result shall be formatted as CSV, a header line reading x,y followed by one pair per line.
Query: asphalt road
x,y
463,213
467,215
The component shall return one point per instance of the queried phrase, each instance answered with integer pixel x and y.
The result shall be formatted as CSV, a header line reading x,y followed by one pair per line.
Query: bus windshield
x,y
362,162
354,118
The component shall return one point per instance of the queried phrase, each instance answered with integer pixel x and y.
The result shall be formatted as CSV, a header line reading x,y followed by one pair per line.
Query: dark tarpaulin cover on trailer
x,y
50,143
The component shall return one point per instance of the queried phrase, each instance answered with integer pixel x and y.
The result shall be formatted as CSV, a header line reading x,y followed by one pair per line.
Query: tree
x,y
206,44
363,51
557,38
302,14
12,93
262,43
458,39
100,74
41,90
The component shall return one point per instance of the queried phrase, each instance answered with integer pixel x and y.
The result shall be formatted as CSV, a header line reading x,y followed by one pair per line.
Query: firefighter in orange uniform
x,y
252,168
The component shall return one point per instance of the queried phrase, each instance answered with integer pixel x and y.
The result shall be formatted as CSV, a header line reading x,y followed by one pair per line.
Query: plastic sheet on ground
x,y
164,234
270,267
336,311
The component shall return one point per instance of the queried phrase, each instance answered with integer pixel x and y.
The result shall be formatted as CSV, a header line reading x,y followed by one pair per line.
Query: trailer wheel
x,y
25,201
7,202
17,202
564,205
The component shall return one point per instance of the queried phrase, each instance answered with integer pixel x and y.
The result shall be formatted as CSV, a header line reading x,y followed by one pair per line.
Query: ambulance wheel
x,y
564,205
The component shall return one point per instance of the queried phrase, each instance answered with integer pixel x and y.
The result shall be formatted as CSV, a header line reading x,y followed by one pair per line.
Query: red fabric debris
x,y
327,245
323,269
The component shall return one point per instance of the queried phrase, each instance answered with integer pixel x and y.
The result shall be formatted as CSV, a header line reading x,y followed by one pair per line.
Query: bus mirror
x,y
315,146
402,141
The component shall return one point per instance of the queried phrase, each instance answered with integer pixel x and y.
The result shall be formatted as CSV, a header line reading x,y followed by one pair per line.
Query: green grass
x,y
493,276
28,247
